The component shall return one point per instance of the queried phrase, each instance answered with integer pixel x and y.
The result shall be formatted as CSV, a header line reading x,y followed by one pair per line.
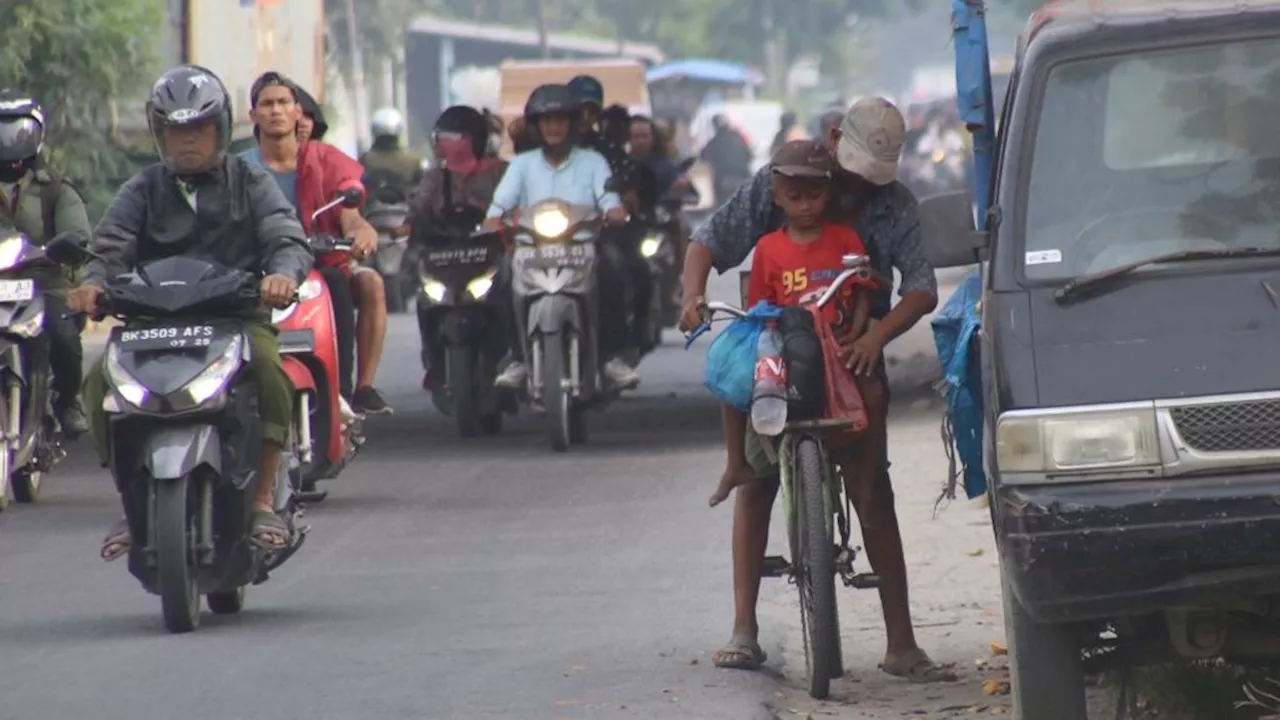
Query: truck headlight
x,y
1074,442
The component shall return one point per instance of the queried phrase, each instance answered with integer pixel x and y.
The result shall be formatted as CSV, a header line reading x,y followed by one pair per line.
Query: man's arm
x,y
600,173
115,240
507,195
281,241
69,215
353,223
919,289
732,231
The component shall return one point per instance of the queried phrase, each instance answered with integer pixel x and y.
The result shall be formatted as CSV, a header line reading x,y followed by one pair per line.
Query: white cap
x,y
871,139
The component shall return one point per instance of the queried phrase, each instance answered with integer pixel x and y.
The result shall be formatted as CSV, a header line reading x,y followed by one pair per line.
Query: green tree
x,y
79,57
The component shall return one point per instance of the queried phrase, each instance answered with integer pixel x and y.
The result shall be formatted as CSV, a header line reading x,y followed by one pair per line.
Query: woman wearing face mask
x,y
456,191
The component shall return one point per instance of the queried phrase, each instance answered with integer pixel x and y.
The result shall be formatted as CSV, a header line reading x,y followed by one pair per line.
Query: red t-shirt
x,y
784,272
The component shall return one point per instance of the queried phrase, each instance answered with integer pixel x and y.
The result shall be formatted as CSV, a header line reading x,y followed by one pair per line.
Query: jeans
x,y
275,390
344,326
612,284
66,356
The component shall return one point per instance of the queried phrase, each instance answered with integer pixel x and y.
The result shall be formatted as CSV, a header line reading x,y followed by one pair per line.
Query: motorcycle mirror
x,y
352,196
68,248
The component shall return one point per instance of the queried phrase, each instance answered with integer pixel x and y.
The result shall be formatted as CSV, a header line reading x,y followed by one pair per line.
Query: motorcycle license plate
x,y
475,255
17,290
561,256
177,337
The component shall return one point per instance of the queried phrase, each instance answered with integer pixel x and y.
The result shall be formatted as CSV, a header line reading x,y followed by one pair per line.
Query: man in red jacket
x,y
310,173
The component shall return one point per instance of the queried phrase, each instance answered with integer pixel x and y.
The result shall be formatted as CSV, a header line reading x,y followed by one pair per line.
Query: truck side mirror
x,y
946,226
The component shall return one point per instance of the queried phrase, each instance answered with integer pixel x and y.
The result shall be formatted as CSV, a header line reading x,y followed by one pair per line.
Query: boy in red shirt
x,y
792,266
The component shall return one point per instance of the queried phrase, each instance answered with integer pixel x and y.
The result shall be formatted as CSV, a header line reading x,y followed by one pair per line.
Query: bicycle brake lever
x,y
691,337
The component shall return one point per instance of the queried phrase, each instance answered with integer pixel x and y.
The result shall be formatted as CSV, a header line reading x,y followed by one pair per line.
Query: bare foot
x,y
733,477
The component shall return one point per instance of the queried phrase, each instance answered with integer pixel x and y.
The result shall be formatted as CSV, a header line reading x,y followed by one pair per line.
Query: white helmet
x,y
387,122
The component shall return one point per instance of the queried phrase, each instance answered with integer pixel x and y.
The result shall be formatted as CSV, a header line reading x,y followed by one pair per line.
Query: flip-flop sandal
x,y
118,541
264,525
916,667
740,655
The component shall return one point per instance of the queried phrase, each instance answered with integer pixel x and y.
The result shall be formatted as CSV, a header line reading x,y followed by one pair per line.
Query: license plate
x,y
181,337
565,256
17,290
457,256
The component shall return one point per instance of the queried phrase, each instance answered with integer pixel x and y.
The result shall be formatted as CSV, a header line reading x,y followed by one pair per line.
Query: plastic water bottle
x,y
769,396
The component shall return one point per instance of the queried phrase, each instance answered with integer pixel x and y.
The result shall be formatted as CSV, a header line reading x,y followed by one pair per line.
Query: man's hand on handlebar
x,y
84,299
693,314
364,242
616,216
277,291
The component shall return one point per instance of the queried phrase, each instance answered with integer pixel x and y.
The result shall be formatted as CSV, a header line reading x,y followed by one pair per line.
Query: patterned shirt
x,y
887,223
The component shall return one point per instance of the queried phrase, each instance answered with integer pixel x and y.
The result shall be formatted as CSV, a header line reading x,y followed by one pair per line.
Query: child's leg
x,y
751,515
737,471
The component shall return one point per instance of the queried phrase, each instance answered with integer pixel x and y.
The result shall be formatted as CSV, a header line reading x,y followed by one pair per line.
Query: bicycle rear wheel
x,y
815,558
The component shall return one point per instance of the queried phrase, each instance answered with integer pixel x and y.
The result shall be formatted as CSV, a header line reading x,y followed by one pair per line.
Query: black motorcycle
x,y
27,427
184,432
659,248
461,323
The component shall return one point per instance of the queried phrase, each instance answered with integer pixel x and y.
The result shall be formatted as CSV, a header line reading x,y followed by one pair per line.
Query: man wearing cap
x,y
867,146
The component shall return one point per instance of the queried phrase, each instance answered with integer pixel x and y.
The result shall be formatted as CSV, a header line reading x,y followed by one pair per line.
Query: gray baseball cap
x,y
871,139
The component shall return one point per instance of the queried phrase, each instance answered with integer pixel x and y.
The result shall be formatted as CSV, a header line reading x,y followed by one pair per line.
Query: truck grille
x,y
1230,427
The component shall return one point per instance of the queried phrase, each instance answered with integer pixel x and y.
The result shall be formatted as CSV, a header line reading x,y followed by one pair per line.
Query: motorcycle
x,y
461,324
309,356
659,248
30,434
557,312
387,211
184,432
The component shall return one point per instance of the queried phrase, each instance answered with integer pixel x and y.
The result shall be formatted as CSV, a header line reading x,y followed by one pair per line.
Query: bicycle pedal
x,y
863,581
775,566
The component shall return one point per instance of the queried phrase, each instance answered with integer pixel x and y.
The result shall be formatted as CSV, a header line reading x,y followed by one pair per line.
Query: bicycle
x,y
816,507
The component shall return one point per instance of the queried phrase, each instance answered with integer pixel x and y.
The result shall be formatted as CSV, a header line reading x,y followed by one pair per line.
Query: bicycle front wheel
x,y
817,577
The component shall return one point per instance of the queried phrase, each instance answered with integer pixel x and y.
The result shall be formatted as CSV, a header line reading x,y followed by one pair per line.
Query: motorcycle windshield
x,y
181,286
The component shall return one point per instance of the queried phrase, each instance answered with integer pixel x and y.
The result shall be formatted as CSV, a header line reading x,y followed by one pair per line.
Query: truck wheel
x,y
1044,664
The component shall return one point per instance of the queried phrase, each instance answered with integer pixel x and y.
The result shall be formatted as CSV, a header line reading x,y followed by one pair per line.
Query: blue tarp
x,y
713,71
955,329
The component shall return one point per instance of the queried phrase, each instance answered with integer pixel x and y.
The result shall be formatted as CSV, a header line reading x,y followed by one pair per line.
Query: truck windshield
x,y
1140,155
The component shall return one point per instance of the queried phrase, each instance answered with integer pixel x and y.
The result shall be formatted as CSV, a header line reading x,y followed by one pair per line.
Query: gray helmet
x,y
190,95
554,99
387,122
21,127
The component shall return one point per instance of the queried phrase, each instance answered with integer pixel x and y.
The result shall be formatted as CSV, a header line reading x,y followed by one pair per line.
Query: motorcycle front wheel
x,y
555,396
176,572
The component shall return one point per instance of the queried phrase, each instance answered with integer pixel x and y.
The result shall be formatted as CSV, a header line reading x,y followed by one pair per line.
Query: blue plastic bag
x,y
955,330
731,359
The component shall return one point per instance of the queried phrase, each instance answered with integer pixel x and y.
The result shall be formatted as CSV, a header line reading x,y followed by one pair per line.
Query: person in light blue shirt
x,y
578,176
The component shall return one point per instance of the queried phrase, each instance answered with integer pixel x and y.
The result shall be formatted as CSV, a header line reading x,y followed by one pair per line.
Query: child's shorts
x,y
758,459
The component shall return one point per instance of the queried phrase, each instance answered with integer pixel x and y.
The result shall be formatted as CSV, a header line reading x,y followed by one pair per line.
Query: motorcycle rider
x,y
387,161
40,204
184,205
562,169
275,109
730,157
461,139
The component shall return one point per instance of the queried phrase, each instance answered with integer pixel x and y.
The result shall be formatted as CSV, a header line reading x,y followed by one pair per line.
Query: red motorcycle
x,y
327,437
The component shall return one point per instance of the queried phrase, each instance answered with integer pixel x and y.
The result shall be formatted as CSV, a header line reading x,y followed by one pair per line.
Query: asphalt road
x,y
442,579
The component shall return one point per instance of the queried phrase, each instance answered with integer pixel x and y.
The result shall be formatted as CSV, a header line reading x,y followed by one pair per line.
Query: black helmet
x,y
21,127
190,95
588,90
312,109
551,100
468,121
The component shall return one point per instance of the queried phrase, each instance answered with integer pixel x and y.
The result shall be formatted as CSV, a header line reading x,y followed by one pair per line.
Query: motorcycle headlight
x,y
650,245
434,289
213,378
939,155
128,388
309,290
550,222
481,286
10,251
28,328
1077,442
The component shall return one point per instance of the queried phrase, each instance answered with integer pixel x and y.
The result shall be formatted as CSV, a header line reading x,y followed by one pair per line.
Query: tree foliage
x,y
78,57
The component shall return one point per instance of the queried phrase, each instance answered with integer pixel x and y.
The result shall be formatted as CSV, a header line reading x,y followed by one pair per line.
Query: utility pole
x,y
361,99
543,40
